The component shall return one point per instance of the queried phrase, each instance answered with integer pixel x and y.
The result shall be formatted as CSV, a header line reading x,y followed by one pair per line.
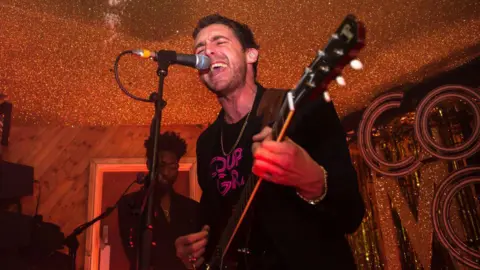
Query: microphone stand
x,y
164,59
71,241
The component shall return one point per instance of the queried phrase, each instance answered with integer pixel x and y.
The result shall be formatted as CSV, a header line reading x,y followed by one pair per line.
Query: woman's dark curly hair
x,y
168,141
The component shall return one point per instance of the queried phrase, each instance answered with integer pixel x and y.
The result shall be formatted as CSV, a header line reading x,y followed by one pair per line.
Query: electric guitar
x,y
341,49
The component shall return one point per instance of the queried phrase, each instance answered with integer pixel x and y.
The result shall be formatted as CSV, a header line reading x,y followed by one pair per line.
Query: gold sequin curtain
x,y
367,240
397,230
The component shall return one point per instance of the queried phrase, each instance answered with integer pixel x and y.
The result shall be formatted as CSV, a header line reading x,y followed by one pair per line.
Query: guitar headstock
x,y
343,47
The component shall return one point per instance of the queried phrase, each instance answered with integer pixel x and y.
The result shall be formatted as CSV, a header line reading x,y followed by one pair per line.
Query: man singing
x,y
309,200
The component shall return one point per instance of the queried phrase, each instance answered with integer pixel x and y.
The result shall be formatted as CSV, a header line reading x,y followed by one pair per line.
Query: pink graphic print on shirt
x,y
225,171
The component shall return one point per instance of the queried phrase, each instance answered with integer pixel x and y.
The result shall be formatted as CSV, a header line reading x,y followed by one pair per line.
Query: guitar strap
x,y
270,104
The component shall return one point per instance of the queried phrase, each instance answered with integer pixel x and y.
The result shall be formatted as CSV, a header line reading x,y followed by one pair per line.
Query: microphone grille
x,y
203,62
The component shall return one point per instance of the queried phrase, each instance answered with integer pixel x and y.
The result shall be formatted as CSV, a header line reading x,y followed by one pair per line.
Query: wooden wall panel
x,y
61,157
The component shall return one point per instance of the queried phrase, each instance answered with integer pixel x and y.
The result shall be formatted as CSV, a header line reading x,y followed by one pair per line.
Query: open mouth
x,y
217,68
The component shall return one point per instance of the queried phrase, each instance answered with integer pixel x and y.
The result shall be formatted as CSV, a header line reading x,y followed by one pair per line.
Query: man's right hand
x,y
190,248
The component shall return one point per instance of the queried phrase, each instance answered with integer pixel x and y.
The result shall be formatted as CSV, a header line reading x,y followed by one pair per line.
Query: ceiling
x,y
56,56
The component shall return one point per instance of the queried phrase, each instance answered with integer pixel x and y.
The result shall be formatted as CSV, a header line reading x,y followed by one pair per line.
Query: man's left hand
x,y
286,163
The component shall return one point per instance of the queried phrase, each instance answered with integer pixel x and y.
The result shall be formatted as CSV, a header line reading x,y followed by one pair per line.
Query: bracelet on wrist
x,y
319,199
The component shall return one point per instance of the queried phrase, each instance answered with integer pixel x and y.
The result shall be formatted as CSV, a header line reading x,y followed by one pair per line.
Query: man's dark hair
x,y
241,31
168,141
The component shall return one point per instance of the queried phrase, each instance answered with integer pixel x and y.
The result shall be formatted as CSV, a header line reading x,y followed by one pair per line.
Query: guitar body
x,y
240,255
234,259
230,262
232,250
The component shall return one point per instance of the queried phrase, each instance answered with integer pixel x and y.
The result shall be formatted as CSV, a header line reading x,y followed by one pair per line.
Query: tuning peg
x,y
341,81
311,84
356,64
326,96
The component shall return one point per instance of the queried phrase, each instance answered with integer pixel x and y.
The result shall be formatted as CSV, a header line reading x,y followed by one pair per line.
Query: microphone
x,y
198,61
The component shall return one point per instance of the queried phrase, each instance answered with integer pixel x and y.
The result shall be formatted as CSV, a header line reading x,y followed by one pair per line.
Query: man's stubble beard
x,y
237,81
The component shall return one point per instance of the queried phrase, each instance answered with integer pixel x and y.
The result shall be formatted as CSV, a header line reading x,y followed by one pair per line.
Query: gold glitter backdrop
x,y
56,56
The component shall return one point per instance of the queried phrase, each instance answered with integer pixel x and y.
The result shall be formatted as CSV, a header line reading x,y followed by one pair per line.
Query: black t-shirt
x,y
183,212
230,171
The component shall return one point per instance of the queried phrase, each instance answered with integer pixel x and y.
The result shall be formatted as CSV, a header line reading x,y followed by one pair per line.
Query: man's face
x,y
168,166
228,59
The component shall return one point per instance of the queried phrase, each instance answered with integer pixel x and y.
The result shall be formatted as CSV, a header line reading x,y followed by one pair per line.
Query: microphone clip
x,y
153,98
